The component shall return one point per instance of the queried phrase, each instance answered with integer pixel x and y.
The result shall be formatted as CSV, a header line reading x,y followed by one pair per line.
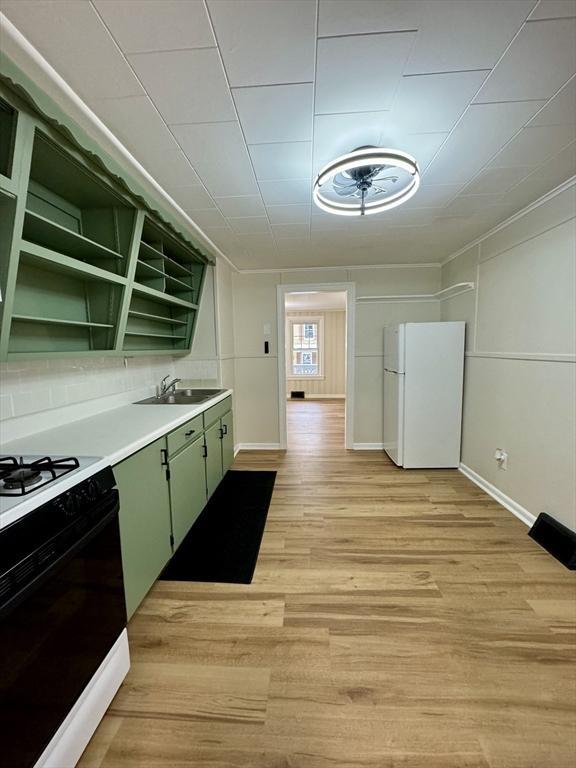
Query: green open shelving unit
x,y
85,267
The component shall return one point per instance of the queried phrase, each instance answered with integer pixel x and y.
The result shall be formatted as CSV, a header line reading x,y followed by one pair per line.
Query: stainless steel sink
x,y
182,397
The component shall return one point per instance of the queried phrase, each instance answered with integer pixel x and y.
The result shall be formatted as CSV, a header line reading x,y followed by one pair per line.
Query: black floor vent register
x,y
223,544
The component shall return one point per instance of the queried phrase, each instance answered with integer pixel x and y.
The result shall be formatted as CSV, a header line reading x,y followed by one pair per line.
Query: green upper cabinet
x,y
165,292
84,268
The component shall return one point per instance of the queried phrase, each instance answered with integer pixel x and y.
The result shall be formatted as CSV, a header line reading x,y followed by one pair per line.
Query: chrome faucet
x,y
163,388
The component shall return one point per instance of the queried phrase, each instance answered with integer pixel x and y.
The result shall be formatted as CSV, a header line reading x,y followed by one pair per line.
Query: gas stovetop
x,y
24,477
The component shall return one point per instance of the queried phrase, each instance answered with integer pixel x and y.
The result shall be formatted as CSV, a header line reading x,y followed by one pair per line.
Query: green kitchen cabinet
x,y
145,527
213,443
227,425
187,488
86,266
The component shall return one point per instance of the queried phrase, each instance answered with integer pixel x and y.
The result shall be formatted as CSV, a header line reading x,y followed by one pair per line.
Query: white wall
x,y
333,346
37,385
256,374
520,381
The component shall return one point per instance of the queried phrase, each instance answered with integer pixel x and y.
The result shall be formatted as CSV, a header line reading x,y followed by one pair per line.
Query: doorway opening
x,y
316,369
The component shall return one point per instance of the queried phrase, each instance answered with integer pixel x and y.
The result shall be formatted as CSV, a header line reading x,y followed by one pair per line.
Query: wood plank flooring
x,y
397,619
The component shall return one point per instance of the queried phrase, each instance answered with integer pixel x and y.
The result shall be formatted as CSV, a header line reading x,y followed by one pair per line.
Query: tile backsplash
x,y
38,385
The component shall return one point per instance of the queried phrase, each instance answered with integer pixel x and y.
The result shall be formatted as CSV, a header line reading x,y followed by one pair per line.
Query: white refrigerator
x,y
423,380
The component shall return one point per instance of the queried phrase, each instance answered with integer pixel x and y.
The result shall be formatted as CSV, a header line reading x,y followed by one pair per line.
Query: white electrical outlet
x,y
501,457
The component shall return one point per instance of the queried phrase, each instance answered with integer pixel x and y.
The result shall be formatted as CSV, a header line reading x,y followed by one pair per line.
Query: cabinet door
x,y
144,520
227,441
213,442
187,488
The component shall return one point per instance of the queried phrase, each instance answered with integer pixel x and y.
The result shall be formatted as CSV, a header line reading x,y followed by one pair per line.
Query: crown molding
x,y
511,219
346,268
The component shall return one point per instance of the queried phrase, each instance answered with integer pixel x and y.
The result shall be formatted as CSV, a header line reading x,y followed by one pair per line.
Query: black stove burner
x,y
22,477
19,477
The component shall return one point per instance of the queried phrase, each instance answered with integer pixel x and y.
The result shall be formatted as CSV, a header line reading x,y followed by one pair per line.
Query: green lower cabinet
x,y
187,488
145,527
213,442
227,441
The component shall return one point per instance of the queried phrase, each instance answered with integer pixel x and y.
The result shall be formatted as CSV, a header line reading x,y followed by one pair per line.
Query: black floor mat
x,y
224,542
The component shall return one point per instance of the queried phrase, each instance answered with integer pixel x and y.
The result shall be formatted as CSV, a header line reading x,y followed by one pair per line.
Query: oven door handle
x,y
15,599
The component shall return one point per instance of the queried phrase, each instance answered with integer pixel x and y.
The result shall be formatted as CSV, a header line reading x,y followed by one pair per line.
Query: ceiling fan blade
x,y
375,171
348,183
393,178
350,191
377,189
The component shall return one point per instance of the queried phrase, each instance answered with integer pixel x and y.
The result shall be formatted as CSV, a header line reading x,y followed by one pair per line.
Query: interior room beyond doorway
x,y
315,354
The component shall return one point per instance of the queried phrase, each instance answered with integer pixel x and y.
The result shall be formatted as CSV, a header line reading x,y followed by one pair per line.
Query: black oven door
x,y
56,631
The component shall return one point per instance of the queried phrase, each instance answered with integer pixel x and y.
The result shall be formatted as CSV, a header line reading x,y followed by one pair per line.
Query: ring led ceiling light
x,y
365,181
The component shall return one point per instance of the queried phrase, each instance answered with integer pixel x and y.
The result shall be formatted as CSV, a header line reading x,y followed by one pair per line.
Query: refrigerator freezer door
x,y
394,415
394,348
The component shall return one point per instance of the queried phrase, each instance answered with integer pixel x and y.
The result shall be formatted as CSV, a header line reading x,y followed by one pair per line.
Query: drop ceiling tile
x,y
265,42
497,180
247,205
157,25
186,86
247,225
292,192
433,102
293,244
171,168
467,205
547,176
323,223
336,135
405,217
288,214
193,198
285,231
289,160
72,38
136,123
361,16
560,110
554,9
211,217
481,133
273,113
256,241
534,145
455,35
434,196
225,240
219,156
538,62
360,73
422,146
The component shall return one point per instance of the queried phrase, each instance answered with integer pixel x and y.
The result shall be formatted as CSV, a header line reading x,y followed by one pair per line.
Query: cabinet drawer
x,y
214,413
185,434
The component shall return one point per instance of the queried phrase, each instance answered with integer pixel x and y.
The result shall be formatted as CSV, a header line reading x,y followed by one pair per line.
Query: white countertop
x,y
112,436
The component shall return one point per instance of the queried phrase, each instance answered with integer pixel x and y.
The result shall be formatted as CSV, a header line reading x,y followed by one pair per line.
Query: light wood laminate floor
x,y
397,619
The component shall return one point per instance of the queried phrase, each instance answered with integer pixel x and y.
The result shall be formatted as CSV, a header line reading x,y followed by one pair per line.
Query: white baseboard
x,y
517,509
368,446
258,447
236,449
317,397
